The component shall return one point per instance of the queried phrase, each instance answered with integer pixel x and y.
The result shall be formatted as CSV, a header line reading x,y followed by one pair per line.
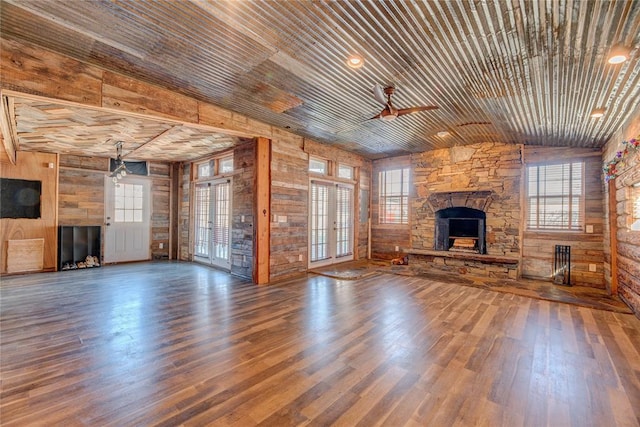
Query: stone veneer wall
x,y
486,166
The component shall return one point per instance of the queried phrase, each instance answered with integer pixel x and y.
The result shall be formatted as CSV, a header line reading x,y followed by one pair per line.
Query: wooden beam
x,y
262,215
613,236
174,210
7,128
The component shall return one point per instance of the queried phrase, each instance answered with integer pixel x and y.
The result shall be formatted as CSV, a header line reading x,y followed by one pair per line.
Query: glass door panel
x,y
330,223
212,223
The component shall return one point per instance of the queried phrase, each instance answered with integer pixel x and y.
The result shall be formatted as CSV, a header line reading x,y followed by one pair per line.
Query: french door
x,y
127,235
330,223
212,242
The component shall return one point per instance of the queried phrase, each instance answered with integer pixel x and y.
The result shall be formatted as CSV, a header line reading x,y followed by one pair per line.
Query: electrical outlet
x,y
161,245
241,218
592,268
589,228
397,248
300,257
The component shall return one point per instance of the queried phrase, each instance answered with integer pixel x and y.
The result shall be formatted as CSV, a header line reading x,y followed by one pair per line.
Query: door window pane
x,y
344,221
128,202
319,221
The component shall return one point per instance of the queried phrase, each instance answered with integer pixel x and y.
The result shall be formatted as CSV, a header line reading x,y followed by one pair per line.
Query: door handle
x,y
108,223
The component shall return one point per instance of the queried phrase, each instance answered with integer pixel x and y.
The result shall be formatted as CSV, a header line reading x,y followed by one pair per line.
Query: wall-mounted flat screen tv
x,y
20,198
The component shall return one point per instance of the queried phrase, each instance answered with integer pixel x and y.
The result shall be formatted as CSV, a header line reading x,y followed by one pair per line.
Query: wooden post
x,y
175,199
613,236
262,215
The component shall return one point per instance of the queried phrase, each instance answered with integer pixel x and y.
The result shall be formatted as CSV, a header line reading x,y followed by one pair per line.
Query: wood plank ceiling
x,y
514,71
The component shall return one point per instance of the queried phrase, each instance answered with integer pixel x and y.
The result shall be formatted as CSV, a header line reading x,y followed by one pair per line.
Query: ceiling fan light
x,y
618,54
355,61
443,133
389,117
596,113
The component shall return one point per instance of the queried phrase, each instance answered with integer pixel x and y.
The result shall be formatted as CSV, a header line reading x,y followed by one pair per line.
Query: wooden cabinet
x,y
76,243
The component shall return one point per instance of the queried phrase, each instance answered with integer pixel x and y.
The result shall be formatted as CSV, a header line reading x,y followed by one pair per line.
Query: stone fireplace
x,y
467,199
460,220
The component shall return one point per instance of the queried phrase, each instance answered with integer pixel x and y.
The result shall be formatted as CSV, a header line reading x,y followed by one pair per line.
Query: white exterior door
x,y
127,235
212,223
330,223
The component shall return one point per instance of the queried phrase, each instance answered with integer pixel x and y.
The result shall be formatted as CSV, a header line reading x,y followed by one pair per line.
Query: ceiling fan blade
x,y
378,94
403,111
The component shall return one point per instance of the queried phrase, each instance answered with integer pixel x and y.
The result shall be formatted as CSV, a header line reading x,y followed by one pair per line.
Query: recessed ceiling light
x,y
443,133
597,113
355,61
618,54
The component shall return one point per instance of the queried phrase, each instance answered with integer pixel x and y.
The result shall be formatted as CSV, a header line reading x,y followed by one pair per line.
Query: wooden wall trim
x,y
262,215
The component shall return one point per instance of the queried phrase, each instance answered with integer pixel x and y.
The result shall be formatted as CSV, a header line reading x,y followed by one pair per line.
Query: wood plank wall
x,y
289,207
242,233
35,167
628,241
81,197
385,237
586,248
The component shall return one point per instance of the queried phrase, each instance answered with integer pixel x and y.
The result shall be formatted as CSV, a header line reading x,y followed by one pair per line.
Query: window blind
x,y
394,196
555,196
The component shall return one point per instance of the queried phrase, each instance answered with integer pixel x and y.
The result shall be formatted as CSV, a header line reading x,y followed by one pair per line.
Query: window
x,y
318,166
555,196
225,165
128,203
345,171
635,199
204,170
214,167
394,196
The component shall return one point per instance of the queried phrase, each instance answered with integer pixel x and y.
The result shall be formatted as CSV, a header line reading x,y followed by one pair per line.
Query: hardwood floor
x,y
181,344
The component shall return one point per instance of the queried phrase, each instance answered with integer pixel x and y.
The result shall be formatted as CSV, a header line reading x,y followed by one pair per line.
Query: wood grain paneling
x,y
34,167
184,344
243,222
26,68
135,96
262,211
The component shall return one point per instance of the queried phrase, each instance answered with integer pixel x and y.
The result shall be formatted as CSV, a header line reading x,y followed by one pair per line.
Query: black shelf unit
x,y
75,242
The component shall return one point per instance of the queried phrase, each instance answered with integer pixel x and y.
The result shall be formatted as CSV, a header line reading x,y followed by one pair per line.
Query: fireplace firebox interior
x,y
460,229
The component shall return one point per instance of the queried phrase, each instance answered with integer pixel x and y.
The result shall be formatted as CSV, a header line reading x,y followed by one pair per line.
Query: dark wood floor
x,y
178,343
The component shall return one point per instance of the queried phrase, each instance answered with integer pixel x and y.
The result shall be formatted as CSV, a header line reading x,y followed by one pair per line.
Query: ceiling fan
x,y
389,112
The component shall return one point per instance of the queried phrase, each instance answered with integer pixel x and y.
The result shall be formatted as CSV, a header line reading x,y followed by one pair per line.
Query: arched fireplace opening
x,y
460,229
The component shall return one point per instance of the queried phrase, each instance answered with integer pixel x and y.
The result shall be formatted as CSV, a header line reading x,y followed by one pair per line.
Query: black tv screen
x,y
20,198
